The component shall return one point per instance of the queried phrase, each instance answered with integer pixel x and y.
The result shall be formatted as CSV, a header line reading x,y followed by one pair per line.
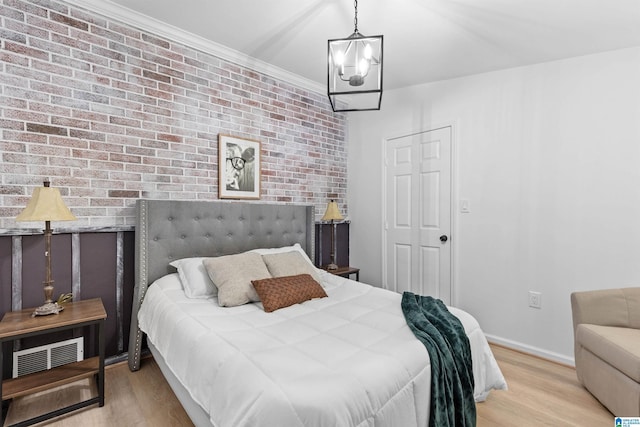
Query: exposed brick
x,y
69,21
106,166
70,62
11,124
170,138
143,169
92,97
40,128
155,40
68,162
32,32
11,58
86,154
124,30
152,57
13,36
51,69
158,94
24,50
90,37
105,128
123,121
25,137
122,158
156,76
114,114
115,201
68,142
88,17
12,189
77,133
12,13
124,194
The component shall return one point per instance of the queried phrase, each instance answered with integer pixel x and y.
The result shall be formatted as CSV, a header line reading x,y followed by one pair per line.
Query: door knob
x,y
444,238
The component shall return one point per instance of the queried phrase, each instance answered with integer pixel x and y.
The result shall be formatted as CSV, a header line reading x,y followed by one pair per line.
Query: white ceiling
x,y
424,40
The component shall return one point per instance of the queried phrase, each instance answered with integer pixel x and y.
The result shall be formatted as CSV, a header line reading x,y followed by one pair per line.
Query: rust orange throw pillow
x,y
280,292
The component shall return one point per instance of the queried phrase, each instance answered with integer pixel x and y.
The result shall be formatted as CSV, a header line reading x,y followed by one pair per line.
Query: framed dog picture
x,y
239,168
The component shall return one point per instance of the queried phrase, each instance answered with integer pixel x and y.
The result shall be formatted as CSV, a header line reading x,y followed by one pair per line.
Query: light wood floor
x,y
541,393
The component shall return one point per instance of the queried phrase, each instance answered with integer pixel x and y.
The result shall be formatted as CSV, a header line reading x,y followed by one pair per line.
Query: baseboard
x,y
544,354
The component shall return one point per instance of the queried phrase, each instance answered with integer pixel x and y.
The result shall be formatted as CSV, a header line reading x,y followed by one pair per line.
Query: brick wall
x,y
110,114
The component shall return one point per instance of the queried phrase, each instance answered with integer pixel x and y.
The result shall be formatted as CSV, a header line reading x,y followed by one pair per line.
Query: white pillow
x,y
196,281
194,277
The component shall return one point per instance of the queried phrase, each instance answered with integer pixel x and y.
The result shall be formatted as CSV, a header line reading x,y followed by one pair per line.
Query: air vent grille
x,y
49,356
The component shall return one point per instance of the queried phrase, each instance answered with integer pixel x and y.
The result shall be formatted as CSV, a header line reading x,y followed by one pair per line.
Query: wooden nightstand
x,y
346,272
20,324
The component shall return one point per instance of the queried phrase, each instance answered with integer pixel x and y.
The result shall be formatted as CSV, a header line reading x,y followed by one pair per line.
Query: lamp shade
x,y
332,213
46,204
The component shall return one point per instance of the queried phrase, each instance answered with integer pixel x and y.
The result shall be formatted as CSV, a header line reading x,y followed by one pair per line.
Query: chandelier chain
x,y
355,18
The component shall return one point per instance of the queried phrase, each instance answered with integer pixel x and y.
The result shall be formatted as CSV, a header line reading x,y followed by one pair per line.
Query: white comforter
x,y
346,360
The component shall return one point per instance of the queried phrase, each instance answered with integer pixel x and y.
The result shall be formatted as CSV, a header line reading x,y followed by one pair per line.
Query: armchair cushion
x,y
620,347
606,327
607,307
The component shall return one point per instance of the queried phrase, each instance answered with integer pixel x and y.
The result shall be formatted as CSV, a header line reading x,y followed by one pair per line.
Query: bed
x,y
346,359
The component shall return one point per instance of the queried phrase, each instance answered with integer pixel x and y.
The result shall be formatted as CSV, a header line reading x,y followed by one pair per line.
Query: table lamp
x,y
46,205
332,214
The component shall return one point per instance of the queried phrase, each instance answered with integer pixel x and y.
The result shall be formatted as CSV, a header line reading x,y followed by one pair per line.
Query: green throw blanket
x,y
452,402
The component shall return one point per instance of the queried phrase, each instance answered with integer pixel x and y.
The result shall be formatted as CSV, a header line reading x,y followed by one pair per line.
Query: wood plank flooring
x,y
541,393
141,399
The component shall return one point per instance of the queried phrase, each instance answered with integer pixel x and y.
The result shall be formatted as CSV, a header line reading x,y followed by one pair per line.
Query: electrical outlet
x,y
535,299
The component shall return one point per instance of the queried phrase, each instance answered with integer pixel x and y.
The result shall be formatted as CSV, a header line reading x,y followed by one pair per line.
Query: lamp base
x,y
332,266
47,309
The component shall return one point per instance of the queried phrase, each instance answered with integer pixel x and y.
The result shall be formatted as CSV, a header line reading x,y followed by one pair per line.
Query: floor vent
x,y
49,356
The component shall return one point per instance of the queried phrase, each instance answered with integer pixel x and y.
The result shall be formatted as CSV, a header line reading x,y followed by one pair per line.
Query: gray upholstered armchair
x,y
606,326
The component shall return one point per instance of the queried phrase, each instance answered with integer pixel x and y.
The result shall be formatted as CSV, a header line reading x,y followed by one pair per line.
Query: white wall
x,y
549,156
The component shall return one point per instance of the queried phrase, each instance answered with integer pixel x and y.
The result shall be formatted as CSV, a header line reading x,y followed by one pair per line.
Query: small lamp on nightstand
x,y
46,205
332,214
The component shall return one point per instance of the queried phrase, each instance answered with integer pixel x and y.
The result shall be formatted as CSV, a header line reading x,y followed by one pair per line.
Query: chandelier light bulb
x,y
367,52
339,58
363,68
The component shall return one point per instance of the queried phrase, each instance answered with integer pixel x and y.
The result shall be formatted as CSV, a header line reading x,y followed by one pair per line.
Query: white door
x,y
417,253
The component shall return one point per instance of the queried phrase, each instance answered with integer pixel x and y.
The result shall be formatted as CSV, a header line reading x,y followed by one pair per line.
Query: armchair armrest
x,y
607,307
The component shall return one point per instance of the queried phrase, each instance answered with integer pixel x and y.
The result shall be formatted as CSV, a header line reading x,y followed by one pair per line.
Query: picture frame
x,y
239,166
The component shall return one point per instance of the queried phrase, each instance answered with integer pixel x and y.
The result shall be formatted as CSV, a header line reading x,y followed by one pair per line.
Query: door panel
x,y
418,212
430,189
402,203
429,276
402,268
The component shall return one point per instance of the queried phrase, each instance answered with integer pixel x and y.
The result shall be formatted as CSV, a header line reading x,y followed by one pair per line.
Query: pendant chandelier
x,y
355,71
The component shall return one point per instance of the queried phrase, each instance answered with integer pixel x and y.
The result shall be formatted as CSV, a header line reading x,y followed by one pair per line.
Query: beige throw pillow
x,y
232,275
289,264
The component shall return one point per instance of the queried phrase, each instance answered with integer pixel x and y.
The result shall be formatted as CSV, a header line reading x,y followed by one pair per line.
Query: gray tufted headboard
x,y
167,230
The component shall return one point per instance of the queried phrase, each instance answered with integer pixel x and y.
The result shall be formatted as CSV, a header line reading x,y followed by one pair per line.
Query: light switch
x,y
465,206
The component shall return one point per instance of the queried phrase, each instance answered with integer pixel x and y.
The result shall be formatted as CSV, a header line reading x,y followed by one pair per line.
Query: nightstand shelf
x,y
20,324
40,381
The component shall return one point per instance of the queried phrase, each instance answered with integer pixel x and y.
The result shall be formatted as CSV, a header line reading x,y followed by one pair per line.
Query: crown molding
x,y
125,15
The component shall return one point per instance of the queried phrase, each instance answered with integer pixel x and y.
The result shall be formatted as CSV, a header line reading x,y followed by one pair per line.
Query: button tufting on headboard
x,y
182,229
